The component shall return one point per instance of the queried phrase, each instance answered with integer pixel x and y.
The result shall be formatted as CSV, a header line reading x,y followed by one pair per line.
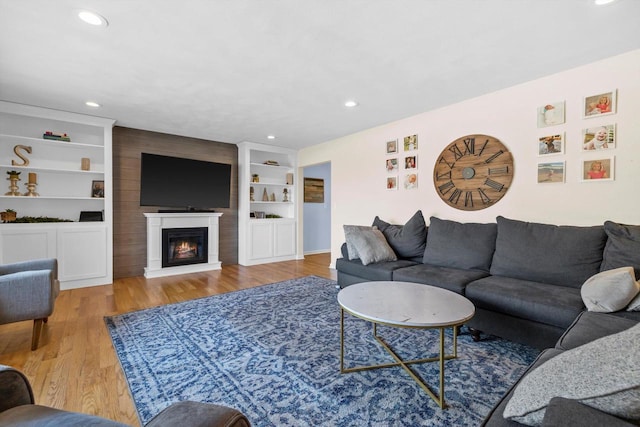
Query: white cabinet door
x,y
261,240
284,238
24,243
82,253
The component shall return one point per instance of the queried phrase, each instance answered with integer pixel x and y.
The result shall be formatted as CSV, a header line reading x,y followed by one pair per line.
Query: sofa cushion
x,y
368,244
610,290
559,255
622,248
408,240
602,374
460,245
452,279
539,302
563,412
376,271
590,326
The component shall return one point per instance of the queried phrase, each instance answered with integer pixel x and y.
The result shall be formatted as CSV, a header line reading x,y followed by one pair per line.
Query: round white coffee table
x,y
406,305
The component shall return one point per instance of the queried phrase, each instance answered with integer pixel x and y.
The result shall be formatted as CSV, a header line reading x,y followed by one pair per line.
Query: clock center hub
x,y
468,173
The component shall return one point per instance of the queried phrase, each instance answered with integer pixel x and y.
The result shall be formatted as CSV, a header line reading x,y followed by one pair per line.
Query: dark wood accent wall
x,y
129,223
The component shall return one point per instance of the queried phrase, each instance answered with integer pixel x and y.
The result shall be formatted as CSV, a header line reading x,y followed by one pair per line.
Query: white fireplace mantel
x,y
158,221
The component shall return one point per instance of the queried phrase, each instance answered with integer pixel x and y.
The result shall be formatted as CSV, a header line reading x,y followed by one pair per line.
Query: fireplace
x,y
184,246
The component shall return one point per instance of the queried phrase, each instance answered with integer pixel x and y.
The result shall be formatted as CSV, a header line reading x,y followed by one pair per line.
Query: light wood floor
x,y
75,367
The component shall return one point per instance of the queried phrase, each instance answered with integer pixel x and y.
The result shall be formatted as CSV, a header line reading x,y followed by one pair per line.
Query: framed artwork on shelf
x,y
599,138
551,114
598,169
392,182
411,162
410,142
97,189
411,181
551,173
392,165
599,104
392,146
551,144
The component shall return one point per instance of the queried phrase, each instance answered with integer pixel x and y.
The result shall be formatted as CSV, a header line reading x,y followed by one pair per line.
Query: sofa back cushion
x,y
408,240
467,246
559,255
622,248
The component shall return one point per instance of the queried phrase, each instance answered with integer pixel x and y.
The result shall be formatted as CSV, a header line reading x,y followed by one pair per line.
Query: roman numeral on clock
x,y
483,147
494,184
468,199
499,170
446,187
457,154
483,196
455,196
492,158
443,160
469,146
443,175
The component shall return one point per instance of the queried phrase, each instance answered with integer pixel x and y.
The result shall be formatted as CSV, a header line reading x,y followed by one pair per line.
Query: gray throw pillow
x,y
622,248
368,243
407,241
559,255
467,246
610,291
603,374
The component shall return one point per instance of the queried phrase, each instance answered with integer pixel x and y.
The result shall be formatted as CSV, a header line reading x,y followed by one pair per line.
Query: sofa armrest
x,y
563,412
26,295
196,414
36,264
14,389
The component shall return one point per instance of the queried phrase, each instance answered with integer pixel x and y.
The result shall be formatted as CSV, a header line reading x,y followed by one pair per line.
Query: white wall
x,y
357,161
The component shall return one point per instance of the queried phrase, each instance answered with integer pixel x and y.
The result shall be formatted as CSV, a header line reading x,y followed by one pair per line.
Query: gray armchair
x,y
17,409
28,291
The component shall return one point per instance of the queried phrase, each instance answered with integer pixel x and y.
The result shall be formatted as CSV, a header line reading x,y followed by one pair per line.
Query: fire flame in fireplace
x,y
185,249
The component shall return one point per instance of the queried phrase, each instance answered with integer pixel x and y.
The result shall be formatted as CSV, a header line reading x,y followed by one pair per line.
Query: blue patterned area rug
x,y
273,352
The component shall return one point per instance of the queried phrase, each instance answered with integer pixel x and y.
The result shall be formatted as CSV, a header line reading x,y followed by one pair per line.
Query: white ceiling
x,y
239,70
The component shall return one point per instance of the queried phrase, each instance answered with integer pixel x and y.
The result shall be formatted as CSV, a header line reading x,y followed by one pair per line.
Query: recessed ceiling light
x,y
92,104
350,104
271,137
603,2
93,18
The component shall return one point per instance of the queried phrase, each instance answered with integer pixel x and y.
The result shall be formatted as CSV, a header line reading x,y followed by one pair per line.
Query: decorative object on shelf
x,y
97,189
251,193
473,172
9,215
272,216
273,197
265,195
85,164
258,214
314,190
271,163
255,178
31,185
56,136
14,177
289,179
285,195
38,219
25,161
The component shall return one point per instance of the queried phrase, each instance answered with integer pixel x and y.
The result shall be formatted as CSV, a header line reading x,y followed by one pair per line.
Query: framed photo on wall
x,y
411,162
599,138
598,169
392,165
551,144
551,114
392,146
392,182
411,181
551,173
599,104
410,142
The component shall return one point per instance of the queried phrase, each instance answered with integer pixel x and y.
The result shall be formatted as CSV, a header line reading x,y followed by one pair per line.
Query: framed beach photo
x,y
411,162
411,181
392,182
599,138
599,104
551,114
551,144
392,165
392,146
551,173
410,142
598,169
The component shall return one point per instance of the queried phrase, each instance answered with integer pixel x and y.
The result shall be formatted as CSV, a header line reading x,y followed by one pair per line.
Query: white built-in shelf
x,y
56,170
51,142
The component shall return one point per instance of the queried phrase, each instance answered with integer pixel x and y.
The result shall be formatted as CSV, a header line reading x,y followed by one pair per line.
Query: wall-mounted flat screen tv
x,y
175,182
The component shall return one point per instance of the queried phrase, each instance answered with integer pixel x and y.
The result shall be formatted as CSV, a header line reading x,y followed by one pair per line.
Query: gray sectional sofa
x,y
524,278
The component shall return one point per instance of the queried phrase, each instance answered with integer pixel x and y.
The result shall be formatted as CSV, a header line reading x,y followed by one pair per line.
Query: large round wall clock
x,y
473,172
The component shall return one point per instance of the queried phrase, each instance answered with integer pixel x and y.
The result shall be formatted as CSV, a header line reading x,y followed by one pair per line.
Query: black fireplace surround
x,y
184,246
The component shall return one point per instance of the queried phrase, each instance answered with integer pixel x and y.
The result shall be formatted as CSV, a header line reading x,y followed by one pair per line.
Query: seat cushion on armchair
x,y
408,240
558,255
460,245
